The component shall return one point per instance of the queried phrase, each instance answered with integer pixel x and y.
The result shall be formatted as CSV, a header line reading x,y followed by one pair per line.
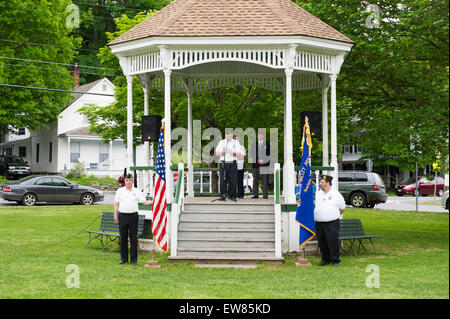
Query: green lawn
x,y
412,260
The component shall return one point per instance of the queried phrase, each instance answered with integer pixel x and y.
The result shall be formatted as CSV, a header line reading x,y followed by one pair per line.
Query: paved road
x,y
405,203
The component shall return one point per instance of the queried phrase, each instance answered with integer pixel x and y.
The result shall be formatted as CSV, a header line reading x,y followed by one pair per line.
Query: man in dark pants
x,y
330,205
240,169
228,150
126,215
261,156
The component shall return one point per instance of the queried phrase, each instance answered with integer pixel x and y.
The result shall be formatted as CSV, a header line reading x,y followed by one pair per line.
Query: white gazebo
x,y
198,45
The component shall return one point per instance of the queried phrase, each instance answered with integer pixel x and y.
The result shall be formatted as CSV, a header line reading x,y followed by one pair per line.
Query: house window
x,y
104,87
50,152
22,151
9,151
21,131
37,152
74,151
103,153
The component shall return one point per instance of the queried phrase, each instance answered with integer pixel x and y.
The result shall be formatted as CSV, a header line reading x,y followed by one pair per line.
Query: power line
x,y
49,45
53,90
57,63
39,68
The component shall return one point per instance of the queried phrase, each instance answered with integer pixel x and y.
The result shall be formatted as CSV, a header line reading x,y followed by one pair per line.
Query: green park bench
x,y
110,230
352,230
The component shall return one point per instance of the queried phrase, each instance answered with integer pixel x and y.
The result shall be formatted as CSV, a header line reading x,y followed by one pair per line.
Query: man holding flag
x,y
305,200
329,206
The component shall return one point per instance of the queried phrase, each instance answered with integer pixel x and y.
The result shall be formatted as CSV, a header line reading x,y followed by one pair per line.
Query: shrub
x,y
78,171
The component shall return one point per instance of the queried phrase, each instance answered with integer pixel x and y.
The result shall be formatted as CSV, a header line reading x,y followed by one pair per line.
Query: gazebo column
x,y
334,162
325,125
190,175
284,142
288,168
168,135
129,122
147,180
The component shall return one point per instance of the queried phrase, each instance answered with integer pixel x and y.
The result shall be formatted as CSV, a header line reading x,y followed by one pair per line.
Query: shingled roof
x,y
186,18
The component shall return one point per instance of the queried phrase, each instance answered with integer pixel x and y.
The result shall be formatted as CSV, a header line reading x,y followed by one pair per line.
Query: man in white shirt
x,y
228,150
329,207
240,169
126,215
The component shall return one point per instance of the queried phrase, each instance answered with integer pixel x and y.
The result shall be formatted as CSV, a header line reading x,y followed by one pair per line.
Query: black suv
x,y
14,166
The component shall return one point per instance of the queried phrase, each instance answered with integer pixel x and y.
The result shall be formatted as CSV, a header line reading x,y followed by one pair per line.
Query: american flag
x,y
159,224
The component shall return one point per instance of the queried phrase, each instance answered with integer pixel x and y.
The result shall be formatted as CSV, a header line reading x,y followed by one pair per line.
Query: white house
x,y
67,141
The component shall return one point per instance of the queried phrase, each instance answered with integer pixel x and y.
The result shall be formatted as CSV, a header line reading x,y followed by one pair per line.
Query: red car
x,y
426,187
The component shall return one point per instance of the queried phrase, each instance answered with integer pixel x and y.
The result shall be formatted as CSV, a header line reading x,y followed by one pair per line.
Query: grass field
x,y
412,260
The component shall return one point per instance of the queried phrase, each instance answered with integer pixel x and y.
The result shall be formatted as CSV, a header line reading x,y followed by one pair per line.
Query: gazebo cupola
x,y
197,45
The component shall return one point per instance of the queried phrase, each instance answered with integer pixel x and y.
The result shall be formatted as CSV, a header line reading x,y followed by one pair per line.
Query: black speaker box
x,y
315,122
151,126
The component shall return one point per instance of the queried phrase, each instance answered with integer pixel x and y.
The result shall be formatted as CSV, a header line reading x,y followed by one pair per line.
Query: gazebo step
x,y
221,259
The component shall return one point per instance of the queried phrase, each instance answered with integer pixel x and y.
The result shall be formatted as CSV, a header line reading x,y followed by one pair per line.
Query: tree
x,y
394,83
34,30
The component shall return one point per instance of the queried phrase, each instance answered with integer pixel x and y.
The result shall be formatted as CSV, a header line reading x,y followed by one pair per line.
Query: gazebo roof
x,y
189,18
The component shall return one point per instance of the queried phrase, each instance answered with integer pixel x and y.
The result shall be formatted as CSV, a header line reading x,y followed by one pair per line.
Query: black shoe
x,y
122,262
323,263
222,199
233,199
134,263
336,264
240,197
265,196
255,196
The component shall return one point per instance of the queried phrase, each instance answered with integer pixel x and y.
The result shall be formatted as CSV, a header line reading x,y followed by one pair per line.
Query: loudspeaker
x,y
151,126
315,122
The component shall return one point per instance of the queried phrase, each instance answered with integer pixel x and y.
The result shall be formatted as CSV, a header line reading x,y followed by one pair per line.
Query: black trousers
x,y
328,238
264,181
240,183
228,177
128,225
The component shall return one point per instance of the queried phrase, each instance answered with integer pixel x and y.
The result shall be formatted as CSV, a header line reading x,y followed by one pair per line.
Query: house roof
x,y
81,90
81,131
231,18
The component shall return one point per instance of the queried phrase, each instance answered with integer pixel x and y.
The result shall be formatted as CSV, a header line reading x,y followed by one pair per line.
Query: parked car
x,y
362,189
50,189
426,187
14,166
444,200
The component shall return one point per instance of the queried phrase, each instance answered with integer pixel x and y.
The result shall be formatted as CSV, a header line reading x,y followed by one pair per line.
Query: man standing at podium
x,y
228,150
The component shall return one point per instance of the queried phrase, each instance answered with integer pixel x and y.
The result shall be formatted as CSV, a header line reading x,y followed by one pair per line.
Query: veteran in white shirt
x,y
329,207
228,151
126,206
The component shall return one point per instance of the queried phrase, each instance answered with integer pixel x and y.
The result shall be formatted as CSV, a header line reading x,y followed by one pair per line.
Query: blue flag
x,y
305,195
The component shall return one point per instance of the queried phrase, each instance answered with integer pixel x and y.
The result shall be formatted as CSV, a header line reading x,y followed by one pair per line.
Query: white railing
x,y
176,210
277,206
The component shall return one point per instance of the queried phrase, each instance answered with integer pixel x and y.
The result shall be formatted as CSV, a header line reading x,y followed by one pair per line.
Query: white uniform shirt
x,y
128,200
228,147
328,205
240,162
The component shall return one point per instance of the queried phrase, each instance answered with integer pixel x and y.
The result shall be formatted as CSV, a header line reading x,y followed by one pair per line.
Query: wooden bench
x,y
110,230
352,230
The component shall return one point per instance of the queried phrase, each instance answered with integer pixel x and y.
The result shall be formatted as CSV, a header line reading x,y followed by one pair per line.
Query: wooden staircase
x,y
223,232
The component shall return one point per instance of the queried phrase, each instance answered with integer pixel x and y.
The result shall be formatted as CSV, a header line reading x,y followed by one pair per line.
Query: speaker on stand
x,y
150,129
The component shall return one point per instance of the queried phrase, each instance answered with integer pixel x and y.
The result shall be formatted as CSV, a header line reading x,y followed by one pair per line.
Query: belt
x,y
128,213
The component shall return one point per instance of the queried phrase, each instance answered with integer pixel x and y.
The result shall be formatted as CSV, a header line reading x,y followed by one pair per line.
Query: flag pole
x,y
302,261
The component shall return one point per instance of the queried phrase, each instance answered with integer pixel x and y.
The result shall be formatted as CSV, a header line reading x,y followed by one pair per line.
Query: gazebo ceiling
x,y
211,18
